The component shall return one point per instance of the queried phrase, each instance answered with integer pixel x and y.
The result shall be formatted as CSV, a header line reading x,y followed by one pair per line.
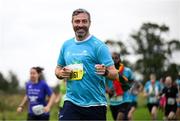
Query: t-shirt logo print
x,y
84,51
30,86
33,98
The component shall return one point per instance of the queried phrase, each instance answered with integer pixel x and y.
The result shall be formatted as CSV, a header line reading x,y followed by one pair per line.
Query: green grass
x,y
10,102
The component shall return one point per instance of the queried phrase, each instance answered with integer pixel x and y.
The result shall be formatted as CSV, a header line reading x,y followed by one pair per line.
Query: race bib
x,y
77,71
171,101
116,98
153,100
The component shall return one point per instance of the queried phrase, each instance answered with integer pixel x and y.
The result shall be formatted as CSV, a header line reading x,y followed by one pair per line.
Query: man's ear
x,y
72,19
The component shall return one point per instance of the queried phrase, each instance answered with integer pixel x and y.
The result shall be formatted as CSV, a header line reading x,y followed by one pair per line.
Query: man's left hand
x,y
100,69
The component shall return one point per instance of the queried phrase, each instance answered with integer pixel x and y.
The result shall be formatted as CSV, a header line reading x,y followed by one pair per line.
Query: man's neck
x,y
117,65
81,39
35,81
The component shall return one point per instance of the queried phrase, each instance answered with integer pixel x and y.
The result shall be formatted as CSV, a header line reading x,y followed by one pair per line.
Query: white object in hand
x,y
99,72
38,109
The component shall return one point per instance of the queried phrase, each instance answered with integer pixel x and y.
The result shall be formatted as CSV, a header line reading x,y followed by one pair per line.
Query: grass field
x,y
9,103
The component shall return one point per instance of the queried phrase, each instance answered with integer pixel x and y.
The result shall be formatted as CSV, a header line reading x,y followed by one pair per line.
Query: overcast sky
x,y
32,31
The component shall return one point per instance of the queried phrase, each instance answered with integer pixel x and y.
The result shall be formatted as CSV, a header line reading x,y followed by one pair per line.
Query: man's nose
x,y
81,24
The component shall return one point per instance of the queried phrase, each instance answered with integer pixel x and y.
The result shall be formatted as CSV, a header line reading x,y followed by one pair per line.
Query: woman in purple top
x,y
36,92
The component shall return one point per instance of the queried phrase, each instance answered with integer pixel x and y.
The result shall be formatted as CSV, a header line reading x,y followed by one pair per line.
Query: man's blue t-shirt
x,y
36,93
90,90
126,97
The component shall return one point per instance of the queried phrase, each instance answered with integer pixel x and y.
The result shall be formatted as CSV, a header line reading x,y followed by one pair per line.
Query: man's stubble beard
x,y
81,36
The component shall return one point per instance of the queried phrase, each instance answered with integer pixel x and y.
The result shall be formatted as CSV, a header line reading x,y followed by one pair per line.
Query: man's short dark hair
x,y
117,54
80,10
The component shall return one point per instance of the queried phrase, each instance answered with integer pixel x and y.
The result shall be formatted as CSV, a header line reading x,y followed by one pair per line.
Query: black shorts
x,y
170,108
151,105
134,104
38,118
123,108
71,111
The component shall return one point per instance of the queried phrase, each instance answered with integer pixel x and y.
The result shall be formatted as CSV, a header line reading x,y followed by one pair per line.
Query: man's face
x,y
81,24
152,78
168,81
116,59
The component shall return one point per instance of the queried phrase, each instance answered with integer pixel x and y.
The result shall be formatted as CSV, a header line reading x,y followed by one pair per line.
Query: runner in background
x,y
178,100
36,92
170,91
136,88
118,90
151,91
162,100
61,95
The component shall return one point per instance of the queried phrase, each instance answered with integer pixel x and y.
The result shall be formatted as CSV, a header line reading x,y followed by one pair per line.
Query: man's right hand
x,y
19,109
63,72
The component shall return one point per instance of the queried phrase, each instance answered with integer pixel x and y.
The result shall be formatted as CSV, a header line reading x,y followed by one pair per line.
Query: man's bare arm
x,y
57,71
112,73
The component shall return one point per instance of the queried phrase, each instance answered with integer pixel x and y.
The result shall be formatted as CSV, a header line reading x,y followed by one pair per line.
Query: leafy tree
x,y
118,47
4,84
154,49
10,84
13,82
173,70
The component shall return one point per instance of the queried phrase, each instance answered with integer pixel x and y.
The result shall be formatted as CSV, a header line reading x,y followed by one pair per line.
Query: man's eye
x,y
77,21
84,21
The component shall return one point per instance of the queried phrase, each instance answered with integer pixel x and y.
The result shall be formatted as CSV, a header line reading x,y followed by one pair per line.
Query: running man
x,y
170,92
151,91
162,100
118,90
85,62
136,88
36,92
61,95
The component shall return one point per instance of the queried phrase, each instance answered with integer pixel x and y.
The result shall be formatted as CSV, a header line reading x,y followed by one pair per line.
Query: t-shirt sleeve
x,y
104,56
61,60
131,76
128,74
26,85
146,87
48,90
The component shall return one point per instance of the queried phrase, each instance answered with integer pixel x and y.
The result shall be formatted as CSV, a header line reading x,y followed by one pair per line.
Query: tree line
x,y
9,84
